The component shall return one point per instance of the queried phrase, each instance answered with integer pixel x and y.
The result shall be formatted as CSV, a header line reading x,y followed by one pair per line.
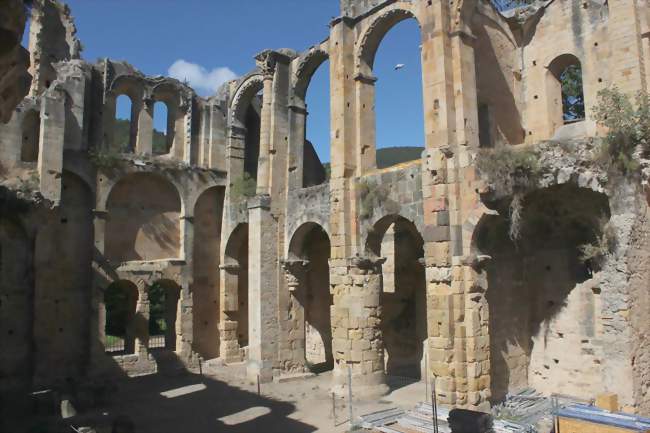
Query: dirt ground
x,y
222,400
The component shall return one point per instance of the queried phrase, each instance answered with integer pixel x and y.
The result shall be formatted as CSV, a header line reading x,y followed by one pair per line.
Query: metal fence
x,y
115,343
157,341
506,5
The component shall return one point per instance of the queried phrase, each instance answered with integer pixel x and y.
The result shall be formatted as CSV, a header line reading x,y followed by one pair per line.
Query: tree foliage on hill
x,y
122,132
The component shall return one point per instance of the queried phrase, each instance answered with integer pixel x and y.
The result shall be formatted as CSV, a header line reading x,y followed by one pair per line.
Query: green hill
x,y
121,132
389,156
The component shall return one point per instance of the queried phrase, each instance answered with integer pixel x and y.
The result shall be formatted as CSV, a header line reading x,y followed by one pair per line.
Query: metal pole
x,y
426,377
334,408
434,405
258,385
350,396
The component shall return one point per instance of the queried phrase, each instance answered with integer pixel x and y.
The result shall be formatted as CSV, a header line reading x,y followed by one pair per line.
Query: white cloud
x,y
203,81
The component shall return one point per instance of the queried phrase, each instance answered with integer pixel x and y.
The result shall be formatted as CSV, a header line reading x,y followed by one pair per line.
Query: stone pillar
x,y
297,125
262,289
137,330
388,250
217,141
292,351
144,141
51,142
266,63
437,258
356,315
98,312
229,349
366,129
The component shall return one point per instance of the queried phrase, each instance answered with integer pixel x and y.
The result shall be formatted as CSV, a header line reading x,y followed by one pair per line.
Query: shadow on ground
x,y
193,404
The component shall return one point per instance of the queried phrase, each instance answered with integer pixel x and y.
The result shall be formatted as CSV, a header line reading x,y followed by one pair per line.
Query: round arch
x,y
130,85
381,226
143,222
297,242
368,43
308,64
242,98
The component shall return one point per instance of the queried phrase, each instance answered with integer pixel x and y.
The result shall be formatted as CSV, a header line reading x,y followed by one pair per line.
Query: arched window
x,y
399,106
252,142
316,152
123,136
163,309
161,129
565,93
120,299
31,131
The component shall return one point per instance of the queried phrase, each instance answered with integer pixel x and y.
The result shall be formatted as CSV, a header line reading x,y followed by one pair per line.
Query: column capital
x,y
295,271
267,60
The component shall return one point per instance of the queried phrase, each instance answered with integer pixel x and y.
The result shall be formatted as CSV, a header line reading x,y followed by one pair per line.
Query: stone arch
x,y
143,219
542,297
556,68
244,128
30,133
307,270
234,279
308,64
297,239
403,318
119,330
133,87
242,98
168,94
309,170
208,212
368,43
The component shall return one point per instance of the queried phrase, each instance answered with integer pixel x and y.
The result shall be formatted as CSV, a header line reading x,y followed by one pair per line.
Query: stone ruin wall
x,y
415,256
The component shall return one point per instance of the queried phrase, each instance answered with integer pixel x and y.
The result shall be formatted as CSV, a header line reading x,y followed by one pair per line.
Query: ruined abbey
x,y
256,254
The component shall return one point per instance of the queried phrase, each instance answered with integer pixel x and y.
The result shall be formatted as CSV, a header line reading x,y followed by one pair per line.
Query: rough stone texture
x,y
14,59
370,271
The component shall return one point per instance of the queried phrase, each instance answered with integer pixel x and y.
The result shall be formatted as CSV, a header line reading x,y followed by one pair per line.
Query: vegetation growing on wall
x,y
372,196
104,158
628,130
242,188
595,253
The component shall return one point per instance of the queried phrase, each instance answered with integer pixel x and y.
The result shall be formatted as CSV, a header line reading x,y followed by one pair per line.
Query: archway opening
x,y
143,219
123,130
316,150
120,300
31,131
205,291
311,247
565,93
542,297
164,296
399,114
234,339
161,144
252,123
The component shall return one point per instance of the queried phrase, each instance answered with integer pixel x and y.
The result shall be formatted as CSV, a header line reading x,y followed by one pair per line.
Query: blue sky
x,y
212,40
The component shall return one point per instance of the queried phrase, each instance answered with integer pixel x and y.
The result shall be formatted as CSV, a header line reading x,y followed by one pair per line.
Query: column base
x,y
259,368
364,386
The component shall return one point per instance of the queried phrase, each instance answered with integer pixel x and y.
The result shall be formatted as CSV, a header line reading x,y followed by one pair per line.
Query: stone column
x,y
437,258
51,142
297,124
356,317
266,63
262,289
98,312
144,141
229,349
366,128
292,352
